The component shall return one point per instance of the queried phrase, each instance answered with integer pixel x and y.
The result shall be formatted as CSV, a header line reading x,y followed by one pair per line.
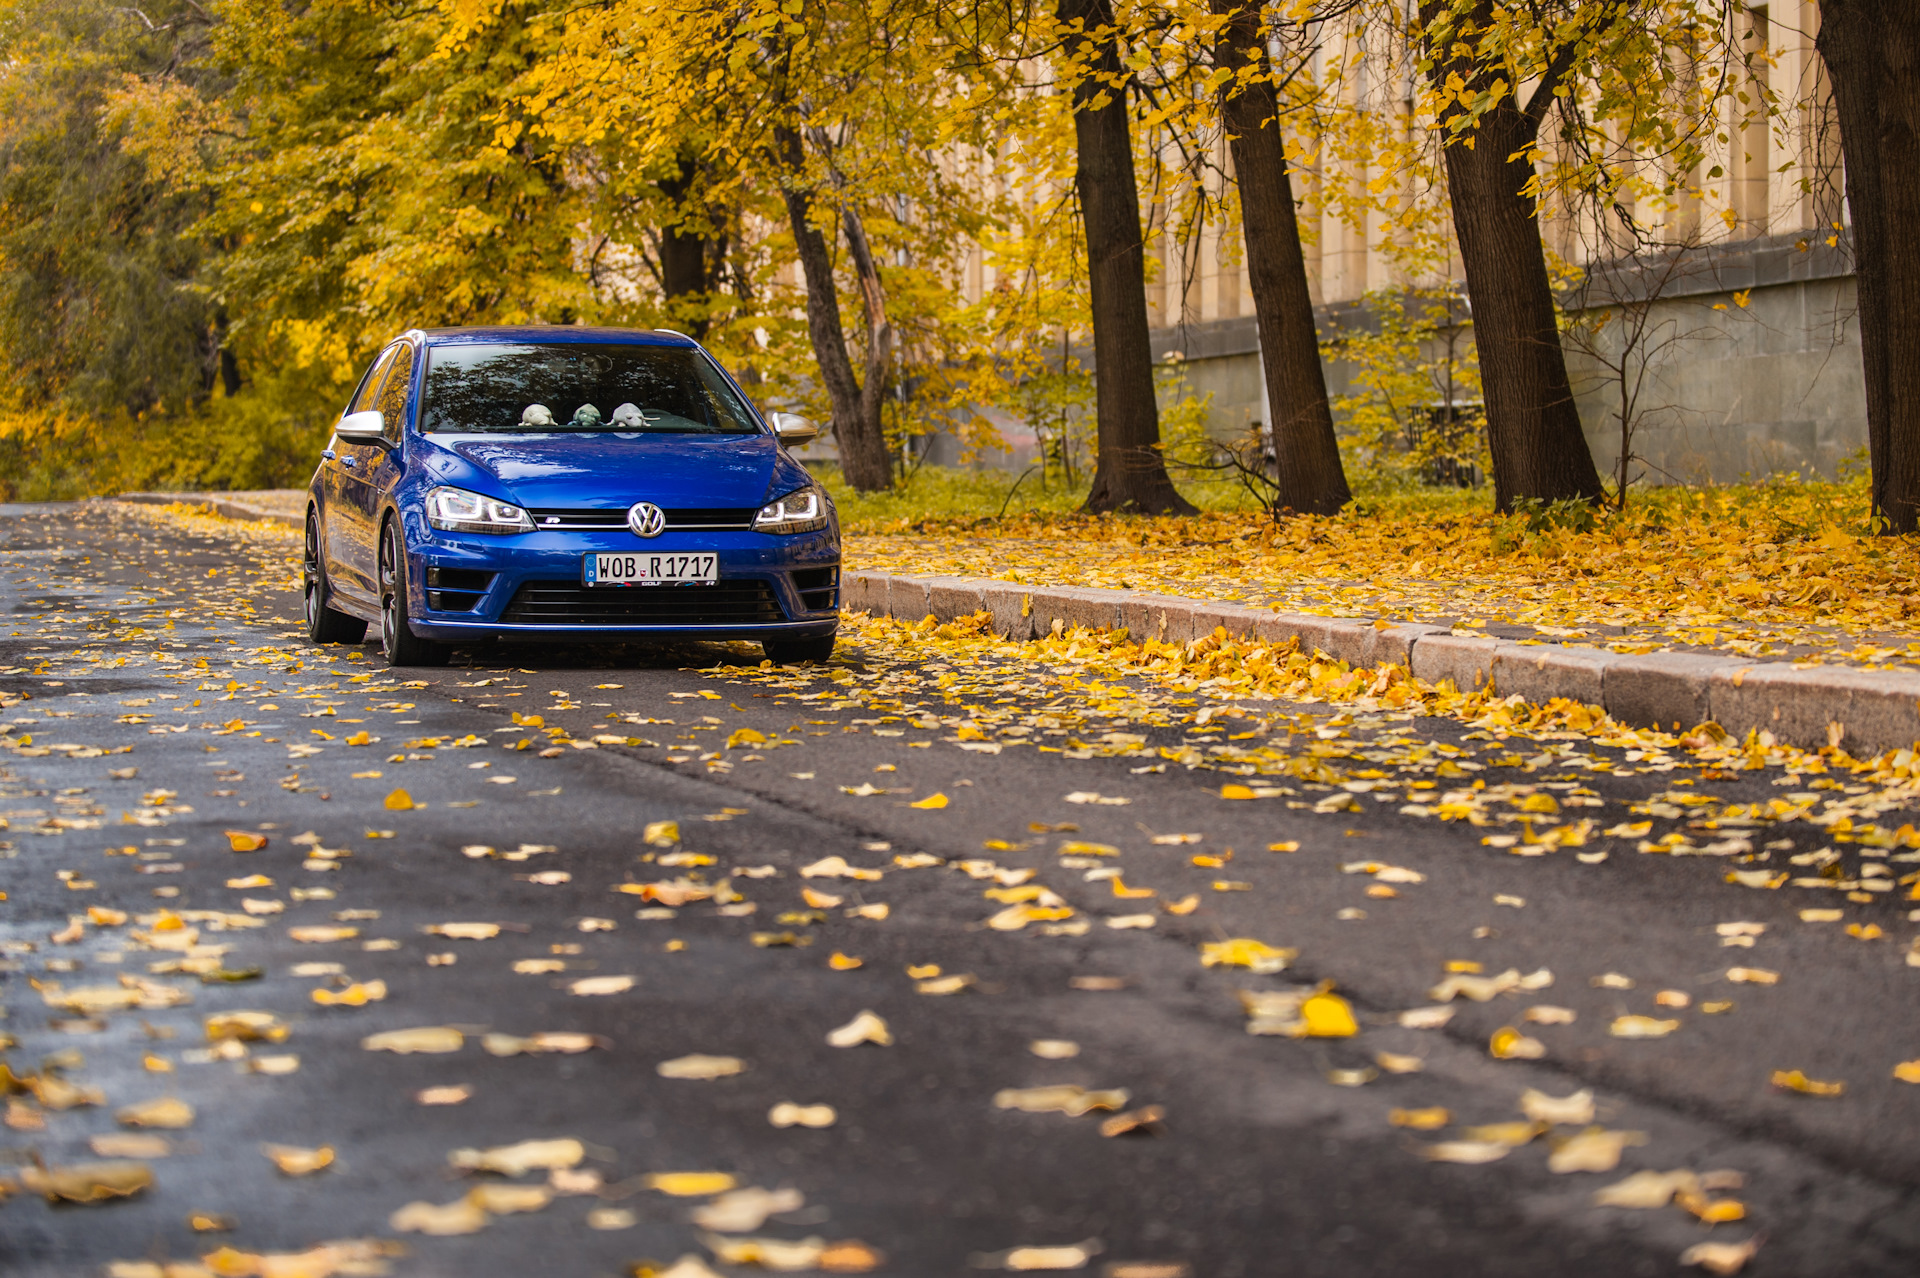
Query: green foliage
x,y
945,495
1413,353
269,436
101,306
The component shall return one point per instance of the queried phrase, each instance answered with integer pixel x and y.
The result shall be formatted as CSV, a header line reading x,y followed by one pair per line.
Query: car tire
x,y
324,623
397,640
788,652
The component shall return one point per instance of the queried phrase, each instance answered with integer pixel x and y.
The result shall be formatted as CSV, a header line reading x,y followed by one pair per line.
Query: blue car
x,y
565,483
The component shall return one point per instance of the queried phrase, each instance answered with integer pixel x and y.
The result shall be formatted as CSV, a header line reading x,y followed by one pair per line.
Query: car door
x,y
372,470
338,483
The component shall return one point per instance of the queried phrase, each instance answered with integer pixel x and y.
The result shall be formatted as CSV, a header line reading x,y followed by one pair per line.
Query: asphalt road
x,y
165,698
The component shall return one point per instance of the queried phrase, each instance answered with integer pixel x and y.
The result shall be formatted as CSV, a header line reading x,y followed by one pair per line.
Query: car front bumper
x,y
464,587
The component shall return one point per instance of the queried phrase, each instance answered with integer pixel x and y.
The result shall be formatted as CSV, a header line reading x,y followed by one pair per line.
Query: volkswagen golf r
x,y
565,483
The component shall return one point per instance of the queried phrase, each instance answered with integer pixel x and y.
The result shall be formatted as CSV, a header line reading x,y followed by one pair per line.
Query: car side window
x,y
365,397
393,393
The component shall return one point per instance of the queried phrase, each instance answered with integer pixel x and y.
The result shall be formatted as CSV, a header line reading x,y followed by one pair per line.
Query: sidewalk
x,y
1801,703
1864,712
280,505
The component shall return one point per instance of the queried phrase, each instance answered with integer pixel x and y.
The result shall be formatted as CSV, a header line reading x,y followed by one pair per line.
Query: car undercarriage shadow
x,y
681,655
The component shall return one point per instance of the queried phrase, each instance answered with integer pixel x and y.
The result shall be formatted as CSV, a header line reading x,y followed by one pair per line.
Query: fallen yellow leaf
x,y
1593,1150
1070,1099
787,1114
130,1145
596,985
1509,1044
700,1068
167,1111
521,1158
1794,1081
1641,1027
457,1217
932,802
1574,1111
1466,1151
1327,1015
1420,1120
1721,1258
691,1184
864,1028
355,995
295,1161
1245,952
88,1182
502,1200
428,1038
399,801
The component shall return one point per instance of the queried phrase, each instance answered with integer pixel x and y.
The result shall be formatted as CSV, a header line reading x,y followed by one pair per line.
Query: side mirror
x,y
361,428
792,428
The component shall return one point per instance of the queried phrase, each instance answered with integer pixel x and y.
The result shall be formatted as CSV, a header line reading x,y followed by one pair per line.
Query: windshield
x,y
514,388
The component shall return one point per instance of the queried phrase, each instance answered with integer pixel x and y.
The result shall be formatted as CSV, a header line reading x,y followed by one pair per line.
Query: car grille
x,y
565,603
684,518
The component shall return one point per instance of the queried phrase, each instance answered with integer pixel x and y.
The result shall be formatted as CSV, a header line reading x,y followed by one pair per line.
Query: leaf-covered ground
x,y
1771,570
1420,907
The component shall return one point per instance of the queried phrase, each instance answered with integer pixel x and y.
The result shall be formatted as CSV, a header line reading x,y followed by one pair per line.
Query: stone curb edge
x,y
207,501
1866,712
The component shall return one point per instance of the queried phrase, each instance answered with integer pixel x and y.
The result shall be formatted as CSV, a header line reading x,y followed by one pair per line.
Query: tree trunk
x,y
1533,427
864,458
1131,474
1872,52
873,388
683,258
1308,474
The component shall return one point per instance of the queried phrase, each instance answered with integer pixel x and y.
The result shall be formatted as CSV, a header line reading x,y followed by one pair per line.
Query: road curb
x,y
1864,711
214,502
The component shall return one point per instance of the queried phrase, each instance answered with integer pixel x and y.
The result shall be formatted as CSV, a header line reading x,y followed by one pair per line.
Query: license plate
x,y
650,569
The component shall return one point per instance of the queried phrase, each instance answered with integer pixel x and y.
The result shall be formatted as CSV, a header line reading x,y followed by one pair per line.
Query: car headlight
x,y
802,511
457,510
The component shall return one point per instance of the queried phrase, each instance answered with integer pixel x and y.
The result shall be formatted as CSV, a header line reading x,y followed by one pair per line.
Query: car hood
x,y
615,470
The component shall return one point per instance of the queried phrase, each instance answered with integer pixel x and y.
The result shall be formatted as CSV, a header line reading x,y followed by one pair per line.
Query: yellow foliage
x,y
1742,568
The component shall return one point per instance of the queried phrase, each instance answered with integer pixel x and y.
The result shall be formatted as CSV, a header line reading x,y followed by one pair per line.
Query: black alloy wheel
x,y
324,623
397,640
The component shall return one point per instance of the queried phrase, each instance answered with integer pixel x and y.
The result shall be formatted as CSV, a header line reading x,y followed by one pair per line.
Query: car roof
x,y
553,334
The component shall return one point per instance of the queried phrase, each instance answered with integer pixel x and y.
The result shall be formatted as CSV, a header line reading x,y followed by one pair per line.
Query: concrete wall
x,y
1731,392
1736,392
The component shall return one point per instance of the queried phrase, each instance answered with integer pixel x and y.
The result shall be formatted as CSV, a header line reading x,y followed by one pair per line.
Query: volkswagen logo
x,y
646,519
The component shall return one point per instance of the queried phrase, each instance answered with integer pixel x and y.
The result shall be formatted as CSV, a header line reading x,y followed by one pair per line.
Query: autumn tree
x,y
690,236
1601,110
829,128
1872,53
379,186
1130,474
103,309
1478,61
857,397
1308,477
